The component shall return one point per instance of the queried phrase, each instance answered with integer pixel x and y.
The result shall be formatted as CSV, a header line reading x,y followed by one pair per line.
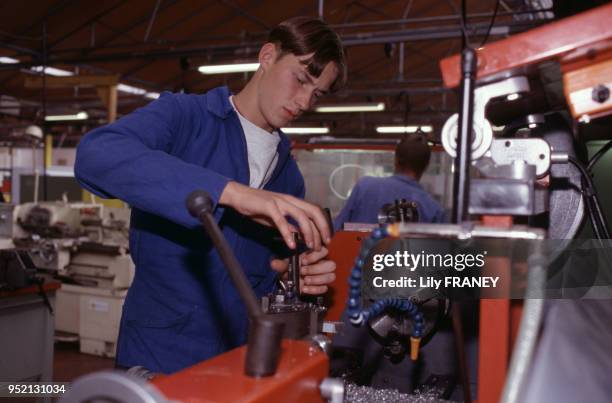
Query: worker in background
x,y
412,156
182,307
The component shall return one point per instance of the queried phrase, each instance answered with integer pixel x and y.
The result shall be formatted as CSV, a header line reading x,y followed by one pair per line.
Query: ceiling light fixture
x,y
403,129
305,130
52,71
77,116
228,68
130,89
8,60
366,107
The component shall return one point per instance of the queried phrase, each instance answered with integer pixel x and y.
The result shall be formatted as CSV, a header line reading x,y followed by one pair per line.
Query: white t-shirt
x,y
261,150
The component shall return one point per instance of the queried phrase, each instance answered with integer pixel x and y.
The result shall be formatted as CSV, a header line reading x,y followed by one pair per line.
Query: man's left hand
x,y
316,271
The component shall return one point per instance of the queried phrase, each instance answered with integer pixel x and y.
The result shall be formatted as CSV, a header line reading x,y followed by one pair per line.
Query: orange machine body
x,y
343,250
300,370
499,318
499,322
582,44
301,367
566,38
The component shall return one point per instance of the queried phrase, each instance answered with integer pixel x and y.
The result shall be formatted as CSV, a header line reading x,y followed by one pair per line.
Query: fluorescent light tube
x,y
77,116
131,90
403,129
369,107
61,171
228,68
52,71
8,60
305,130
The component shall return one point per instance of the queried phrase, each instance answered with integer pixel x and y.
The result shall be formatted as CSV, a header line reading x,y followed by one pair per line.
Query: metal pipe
x,y
424,34
393,91
294,268
92,38
352,141
400,67
452,17
529,329
469,230
44,106
151,21
461,185
19,49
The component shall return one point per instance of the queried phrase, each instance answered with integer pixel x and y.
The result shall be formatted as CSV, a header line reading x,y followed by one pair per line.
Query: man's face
x,y
286,89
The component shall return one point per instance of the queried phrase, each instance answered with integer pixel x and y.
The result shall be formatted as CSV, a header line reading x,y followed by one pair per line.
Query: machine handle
x,y
200,206
265,334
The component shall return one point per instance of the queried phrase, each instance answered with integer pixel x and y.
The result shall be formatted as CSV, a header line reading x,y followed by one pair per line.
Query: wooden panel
x,y
72,81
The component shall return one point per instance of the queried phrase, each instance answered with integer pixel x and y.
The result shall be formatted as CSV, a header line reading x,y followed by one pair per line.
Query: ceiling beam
x,y
246,14
71,81
356,39
85,24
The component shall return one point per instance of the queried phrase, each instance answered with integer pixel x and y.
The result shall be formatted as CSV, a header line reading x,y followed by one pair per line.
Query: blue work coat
x,y
182,307
369,194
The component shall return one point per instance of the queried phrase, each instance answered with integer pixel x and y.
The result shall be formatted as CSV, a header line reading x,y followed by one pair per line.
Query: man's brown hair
x,y
412,154
305,35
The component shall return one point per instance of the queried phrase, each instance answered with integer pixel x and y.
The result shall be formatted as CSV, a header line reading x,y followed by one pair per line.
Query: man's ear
x,y
267,55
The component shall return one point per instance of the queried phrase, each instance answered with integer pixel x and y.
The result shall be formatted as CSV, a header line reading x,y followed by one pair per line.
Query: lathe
x,y
520,183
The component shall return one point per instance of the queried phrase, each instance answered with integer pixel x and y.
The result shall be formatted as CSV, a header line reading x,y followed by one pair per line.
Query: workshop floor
x,y
69,363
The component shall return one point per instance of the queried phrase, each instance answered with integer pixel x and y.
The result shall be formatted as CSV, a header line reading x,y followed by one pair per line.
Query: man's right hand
x,y
272,208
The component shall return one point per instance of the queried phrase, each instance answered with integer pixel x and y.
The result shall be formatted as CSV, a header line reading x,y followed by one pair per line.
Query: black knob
x,y
199,202
600,93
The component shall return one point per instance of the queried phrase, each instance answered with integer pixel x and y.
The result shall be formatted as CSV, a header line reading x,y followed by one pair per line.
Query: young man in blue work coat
x,y
182,307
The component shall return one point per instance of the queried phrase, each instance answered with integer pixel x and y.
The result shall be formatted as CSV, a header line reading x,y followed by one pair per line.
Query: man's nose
x,y
303,100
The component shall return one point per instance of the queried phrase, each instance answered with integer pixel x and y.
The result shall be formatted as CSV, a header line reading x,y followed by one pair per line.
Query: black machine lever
x,y
265,334
294,271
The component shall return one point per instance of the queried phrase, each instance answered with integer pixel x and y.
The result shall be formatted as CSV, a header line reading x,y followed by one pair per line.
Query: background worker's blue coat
x,y
370,193
182,307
